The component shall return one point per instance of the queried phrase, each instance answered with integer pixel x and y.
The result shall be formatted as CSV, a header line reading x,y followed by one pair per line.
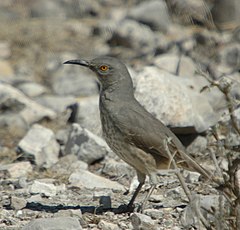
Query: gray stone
x,y
57,103
47,9
172,102
117,169
16,170
36,198
198,145
83,178
77,213
18,203
43,188
76,165
40,145
88,114
192,177
141,221
206,204
170,62
154,213
228,57
86,145
104,225
57,223
131,34
153,13
74,81
30,111
14,124
32,89
105,202
226,14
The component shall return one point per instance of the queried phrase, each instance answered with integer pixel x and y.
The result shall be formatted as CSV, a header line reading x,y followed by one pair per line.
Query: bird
x,y
132,132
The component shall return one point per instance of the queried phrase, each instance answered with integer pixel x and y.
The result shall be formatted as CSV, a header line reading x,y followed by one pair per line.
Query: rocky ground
x,y
56,171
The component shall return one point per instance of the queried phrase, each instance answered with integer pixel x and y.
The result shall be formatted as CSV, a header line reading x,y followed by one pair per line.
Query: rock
x,y
6,70
105,202
170,62
43,188
18,203
59,223
198,145
132,35
141,221
172,102
69,212
15,170
32,89
29,110
104,225
226,14
5,50
36,198
57,103
192,177
228,57
104,198
86,179
89,115
154,213
14,124
118,169
153,13
75,166
156,198
46,9
87,146
206,204
88,8
40,146
74,81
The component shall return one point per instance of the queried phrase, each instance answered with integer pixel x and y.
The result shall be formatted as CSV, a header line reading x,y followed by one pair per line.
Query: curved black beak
x,y
78,62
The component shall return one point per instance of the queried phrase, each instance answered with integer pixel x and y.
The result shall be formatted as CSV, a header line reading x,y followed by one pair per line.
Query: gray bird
x,y
133,133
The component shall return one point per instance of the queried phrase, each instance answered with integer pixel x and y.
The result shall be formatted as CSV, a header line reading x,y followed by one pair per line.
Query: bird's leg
x,y
130,204
141,208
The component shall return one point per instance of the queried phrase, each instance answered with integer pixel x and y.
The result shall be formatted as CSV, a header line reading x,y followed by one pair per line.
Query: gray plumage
x,y
134,134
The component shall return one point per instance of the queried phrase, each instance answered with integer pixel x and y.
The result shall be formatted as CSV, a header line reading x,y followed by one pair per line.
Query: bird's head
x,y
111,72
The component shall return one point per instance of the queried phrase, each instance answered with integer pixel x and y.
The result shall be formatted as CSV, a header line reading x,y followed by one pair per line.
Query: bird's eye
x,y
103,68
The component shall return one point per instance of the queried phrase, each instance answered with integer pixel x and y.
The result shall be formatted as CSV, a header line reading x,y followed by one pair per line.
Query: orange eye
x,y
103,68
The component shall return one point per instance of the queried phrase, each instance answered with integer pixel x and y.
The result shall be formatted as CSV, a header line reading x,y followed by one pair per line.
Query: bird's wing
x,y
144,131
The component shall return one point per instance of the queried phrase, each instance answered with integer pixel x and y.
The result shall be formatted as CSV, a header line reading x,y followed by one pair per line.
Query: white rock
x,y
58,223
153,13
167,97
18,203
32,111
169,62
43,188
89,180
32,89
104,225
141,221
16,170
41,145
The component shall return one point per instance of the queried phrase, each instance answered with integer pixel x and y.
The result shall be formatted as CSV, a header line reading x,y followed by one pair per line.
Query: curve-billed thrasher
x,y
133,133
